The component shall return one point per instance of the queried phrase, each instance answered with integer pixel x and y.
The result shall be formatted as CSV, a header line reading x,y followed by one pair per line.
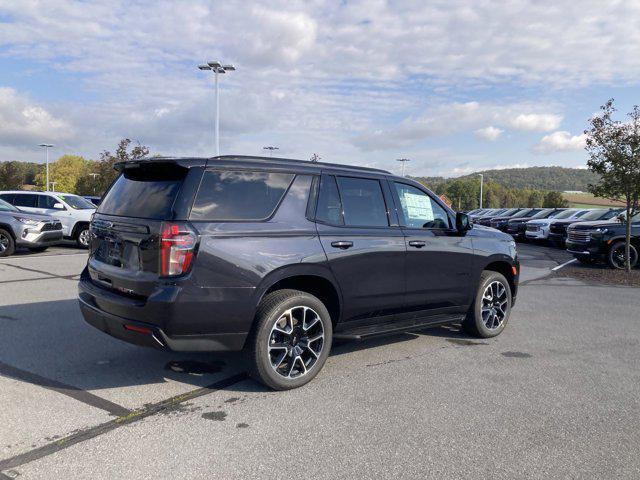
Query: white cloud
x,y
490,133
23,122
533,122
559,142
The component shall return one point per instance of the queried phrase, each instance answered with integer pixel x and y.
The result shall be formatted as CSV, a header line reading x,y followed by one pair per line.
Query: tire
x,y
585,259
295,360
82,236
616,256
37,249
496,312
7,245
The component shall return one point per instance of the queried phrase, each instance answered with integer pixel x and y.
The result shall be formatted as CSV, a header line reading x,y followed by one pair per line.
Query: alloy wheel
x,y
494,305
296,342
83,238
618,257
4,243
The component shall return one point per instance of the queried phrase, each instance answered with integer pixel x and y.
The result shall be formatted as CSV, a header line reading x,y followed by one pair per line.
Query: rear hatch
x,y
126,230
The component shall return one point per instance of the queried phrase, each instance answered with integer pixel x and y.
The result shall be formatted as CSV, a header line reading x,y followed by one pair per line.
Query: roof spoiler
x,y
182,162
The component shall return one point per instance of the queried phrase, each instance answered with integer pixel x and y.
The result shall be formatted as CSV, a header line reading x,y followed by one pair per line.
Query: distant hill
x,y
540,178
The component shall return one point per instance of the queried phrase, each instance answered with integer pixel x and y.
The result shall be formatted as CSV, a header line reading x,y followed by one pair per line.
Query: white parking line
x,y
564,264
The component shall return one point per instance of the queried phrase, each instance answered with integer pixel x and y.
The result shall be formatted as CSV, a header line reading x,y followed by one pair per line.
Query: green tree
x,y
63,173
555,200
105,167
11,176
536,199
614,154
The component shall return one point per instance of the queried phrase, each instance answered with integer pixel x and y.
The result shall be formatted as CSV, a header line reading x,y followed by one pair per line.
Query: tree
x,y
11,176
614,154
106,173
64,173
555,199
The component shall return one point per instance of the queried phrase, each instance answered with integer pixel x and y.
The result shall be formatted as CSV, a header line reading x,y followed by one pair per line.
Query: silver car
x,y
20,229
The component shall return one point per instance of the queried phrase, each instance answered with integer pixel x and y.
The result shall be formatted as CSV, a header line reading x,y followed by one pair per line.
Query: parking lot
x,y
556,395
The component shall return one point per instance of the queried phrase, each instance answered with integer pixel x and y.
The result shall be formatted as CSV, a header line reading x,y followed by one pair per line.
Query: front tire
x,y
7,245
489,313
617,256
291,339
82,236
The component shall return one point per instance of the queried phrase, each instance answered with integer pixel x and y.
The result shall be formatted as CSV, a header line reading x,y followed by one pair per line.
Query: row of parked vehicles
x,y
38,220
590,234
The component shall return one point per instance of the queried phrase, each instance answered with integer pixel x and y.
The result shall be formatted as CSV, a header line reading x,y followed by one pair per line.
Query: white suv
x,y
73,211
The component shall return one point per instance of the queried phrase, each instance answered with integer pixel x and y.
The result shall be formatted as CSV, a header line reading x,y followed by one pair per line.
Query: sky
x,y
456,86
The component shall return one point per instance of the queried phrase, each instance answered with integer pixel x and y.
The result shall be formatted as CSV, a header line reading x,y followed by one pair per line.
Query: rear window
x,y
146,192
239,195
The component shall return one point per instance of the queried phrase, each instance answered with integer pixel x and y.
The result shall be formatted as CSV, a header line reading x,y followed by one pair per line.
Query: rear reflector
x,y
135,328
514,270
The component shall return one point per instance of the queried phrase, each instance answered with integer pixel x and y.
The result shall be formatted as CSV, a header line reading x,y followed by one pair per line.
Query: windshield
x,y
581,214
509,212
7,207
531,213
542,214
565,214
76,202
594,214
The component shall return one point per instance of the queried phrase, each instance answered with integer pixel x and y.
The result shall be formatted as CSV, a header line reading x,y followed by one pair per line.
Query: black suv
x,y
604,240
279,257
558,229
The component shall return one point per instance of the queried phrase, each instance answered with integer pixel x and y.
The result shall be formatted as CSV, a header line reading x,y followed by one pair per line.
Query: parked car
x,y
558,230
73,211
514,224
487,211
538,230
604,240
501,222
486,220
95,200
20,229
279,257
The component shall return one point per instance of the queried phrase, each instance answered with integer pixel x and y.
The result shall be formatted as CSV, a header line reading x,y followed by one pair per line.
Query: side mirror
x,y
58,206
463,222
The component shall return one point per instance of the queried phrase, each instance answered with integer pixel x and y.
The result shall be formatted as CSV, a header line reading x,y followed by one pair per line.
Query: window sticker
x,y
417,206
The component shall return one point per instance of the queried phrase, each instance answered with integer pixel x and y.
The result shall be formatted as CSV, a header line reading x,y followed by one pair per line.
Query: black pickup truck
x,y
593,241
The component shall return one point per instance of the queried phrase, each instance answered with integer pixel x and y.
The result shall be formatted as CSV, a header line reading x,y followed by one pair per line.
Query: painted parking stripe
x,y
564,264
89,433
68,390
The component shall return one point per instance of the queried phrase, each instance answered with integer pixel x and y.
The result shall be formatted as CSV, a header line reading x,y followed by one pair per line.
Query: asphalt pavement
x,y
556,395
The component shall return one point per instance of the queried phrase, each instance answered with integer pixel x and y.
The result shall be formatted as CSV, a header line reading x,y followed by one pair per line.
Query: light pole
x,y
481,182
46,147
271,149
403,161
94,176
217,68
54,186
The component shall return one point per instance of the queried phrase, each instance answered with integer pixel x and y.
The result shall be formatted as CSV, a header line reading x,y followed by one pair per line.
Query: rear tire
x,y
489,313
616,256
7,245
290,341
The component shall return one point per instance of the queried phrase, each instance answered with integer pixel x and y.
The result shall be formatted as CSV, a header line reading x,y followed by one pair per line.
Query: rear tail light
x,y
177,245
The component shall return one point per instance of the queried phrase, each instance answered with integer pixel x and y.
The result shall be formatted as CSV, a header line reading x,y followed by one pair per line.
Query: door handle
x,y
417,243
343,244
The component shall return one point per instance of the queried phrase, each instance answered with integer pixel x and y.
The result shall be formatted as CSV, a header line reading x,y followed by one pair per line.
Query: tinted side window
x,y
329,208
25,200
7,197
239,195
610,214
362,202
46,201
419,209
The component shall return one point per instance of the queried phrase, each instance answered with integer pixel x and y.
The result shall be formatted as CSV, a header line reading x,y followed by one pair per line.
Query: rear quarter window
x,y
239,195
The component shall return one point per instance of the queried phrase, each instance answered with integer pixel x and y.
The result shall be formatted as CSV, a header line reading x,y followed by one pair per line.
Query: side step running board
x,y
361,333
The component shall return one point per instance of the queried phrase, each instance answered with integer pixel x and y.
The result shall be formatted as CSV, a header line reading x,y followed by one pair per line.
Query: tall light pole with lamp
x,y
481,182
403,161
217,69
271,149
46,147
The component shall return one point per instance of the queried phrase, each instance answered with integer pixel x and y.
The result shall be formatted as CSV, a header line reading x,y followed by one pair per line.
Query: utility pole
x,y
481,182
46,147
403,161
217,69
94,176
271,149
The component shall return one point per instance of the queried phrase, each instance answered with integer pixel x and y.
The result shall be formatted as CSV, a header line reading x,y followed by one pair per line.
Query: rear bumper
x,y
148,335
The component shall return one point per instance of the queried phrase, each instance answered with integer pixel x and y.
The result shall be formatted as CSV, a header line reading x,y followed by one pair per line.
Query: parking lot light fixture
x,y
481,182
217,69
403,161
271,149
46,147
